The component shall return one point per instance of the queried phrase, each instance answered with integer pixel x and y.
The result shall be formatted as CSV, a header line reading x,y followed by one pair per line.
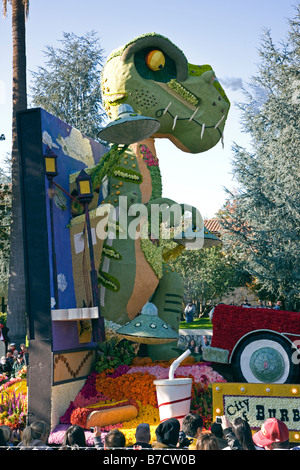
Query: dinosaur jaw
x,y
174,141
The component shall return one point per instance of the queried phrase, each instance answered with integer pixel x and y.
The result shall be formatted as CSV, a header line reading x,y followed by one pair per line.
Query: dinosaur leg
x,y
168,300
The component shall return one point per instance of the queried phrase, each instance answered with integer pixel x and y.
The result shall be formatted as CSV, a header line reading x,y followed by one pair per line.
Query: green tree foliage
x,y
263,216
69,85
207,275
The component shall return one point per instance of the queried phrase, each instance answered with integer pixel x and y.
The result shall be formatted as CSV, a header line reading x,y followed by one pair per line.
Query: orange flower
x,y
137,385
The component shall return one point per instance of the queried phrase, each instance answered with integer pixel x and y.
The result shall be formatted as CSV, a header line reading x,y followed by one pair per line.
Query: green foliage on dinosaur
x,y
192,108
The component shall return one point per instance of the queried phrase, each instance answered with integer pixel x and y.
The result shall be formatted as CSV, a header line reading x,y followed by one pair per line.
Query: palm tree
x,y
16,307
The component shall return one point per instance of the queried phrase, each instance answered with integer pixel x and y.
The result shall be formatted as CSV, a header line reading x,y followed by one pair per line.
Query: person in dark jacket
x,y
167,434
142,436
217,431
233,442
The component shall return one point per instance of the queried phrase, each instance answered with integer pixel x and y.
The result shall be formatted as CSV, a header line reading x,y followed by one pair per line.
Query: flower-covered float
x,y
261,344
98,259
121,390
13,400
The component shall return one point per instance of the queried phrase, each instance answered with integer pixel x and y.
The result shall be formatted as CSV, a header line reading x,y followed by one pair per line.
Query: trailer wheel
x,y
265,358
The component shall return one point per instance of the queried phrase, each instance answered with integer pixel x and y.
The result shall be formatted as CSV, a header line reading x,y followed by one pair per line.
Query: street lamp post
x,y
85,196
51,172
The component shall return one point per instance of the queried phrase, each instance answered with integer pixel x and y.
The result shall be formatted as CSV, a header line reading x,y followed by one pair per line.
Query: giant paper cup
x,y
173,398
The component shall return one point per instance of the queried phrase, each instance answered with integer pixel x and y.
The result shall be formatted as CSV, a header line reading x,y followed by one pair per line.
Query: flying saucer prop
x,y
210,239
148,328
191,238
129,127
196,238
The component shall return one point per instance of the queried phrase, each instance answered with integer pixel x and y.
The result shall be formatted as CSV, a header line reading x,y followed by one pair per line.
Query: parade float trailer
x,y
261,345
90,258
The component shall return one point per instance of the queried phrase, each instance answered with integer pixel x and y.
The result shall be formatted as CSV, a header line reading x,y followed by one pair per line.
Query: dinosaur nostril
x,y
214,103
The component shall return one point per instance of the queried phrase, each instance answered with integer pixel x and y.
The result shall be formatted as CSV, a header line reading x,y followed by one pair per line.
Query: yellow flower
x,y
147,414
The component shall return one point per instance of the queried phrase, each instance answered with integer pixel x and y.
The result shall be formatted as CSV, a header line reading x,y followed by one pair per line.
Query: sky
x,y
224,34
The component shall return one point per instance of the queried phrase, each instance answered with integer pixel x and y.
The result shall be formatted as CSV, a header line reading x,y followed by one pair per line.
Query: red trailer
x,y
263,345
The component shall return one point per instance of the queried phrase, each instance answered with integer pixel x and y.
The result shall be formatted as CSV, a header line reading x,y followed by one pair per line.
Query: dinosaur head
x,y
153,75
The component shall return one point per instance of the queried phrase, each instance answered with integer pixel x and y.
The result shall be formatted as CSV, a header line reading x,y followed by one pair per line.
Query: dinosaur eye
x,y
155,60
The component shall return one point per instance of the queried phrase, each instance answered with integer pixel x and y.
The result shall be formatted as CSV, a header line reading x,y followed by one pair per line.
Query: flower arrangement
x,y
109,281
116,352
153,166
3,378
13,401
127,382
127,175
181,90
8,382
247,320
202,402
13,409
148,156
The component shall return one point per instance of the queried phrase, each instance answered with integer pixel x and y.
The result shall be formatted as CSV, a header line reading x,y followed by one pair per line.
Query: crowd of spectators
x,y
14,360
190,436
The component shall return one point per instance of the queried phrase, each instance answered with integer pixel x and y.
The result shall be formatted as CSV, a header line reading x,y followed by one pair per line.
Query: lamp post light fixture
x,y
85,196
51,171
50,164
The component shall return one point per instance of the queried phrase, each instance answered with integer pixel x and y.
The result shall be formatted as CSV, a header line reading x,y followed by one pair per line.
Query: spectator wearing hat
x,y
273,435
167,434
12,347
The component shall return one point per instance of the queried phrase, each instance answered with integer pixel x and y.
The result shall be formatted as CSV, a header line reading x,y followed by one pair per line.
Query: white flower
x,y
62,282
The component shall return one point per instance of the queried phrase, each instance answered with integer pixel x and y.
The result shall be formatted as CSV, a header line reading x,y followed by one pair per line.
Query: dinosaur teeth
x,y
167,107
114,98
174,123
218,123
202,130
193,114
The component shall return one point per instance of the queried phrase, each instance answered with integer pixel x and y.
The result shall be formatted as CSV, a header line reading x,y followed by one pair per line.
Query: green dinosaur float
x,y
153,76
